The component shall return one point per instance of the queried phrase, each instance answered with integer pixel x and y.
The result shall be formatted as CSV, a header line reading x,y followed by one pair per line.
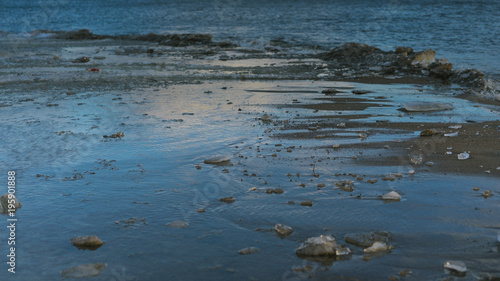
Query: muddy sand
x,y
115,137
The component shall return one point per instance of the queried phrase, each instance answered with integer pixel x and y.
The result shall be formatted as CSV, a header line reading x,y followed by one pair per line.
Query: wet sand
x,y
178,106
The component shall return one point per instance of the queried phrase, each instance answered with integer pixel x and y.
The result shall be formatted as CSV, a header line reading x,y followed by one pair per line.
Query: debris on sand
x,y
283,230
218,160
228,200
178,224
87,242
378,247
323,245
456,267
391,196
115,135
84,270
249,250
423,106
6,206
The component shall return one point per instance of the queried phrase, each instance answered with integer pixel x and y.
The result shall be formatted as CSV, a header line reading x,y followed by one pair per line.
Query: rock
x,y
487,194
389,177
463,156
450,135
422,106
84,270
404,50
201,210
378,247
283,230
87,242
425,57
330,91
275,191
81,60
228,200
5,207
249,250
342,250
350,52
323,245
307,203
392,196
470,78
218,160
115,135
367,239
456,266
198,167
428,132
360,92
178,224
345,185
442,69
372,181
265,118
405,273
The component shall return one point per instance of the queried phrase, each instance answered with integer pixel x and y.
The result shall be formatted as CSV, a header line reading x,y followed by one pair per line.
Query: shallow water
x,y
150,174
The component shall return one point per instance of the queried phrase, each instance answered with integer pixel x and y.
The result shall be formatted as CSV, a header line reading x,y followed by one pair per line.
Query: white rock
x,y
451,134
378,247
411,172
178,224
318,246
458,266
283,229
393,195
463,156
84,270
455,127
417,106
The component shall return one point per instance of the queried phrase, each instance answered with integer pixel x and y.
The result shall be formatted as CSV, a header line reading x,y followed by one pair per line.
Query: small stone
x,y
360,92
456,266
217,160
81,60
428,132
330,91
378,247
306,203
198,167
275,191
421,106
390,177
115,135
323,245
249,250
463,156
372,181
265,118
367,239
429,163
392,196
347,186
4,203
178,224
228,200
87,242
336,146
201,210
84,270
475,188
411,172
487,194
283,230
321,185
405,273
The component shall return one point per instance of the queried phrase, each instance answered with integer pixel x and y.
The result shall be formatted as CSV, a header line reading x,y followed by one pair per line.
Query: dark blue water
x,y
466,32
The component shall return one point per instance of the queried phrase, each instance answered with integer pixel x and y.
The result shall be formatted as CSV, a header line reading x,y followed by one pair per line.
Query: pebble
x,y
265,118
463,156
228,200
393,196
487,194
201,210
84,270
306,203
87,242
458,266
282,229
428,132
249,250
275,191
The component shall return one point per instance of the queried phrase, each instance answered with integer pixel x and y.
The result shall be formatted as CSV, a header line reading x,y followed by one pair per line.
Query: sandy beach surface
x,y
117,146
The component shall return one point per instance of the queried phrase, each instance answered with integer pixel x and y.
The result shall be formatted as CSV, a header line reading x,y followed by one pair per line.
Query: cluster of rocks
x,y
364,59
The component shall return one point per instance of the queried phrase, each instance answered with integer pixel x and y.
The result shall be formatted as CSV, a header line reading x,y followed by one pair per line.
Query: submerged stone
x,y
283,230
229,199
323,245
84,270
218,159
422,106
249,250
178,224
87,242
367,239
